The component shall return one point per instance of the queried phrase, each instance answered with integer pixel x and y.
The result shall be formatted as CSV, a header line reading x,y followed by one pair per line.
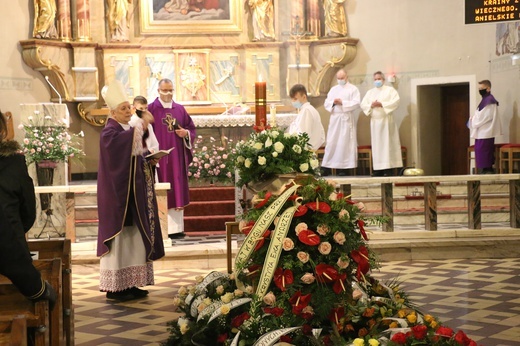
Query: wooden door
x,y
455,133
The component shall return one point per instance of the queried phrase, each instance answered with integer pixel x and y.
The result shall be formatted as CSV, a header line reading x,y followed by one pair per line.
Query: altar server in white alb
x,y
341,149
379,103
308,119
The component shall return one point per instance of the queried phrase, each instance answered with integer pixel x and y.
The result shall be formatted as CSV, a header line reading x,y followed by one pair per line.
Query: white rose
x,y
261,160
258,146
288,244
247,163
333,196
324,248
226,298
275,154
220,289
303,256
314,163
240,159
304,167
269,299
268,142
297,149
278,147
300,227
275,134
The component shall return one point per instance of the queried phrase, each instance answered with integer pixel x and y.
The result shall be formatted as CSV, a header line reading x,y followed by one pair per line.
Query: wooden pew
x,y
13,330
60,248
45,325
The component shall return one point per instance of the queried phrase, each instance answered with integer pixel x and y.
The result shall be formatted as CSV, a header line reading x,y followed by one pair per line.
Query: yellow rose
x,y
412,318
358,342
225,309
373,342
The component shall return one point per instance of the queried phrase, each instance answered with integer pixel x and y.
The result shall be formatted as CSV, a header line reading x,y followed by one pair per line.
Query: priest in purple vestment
x,y
129,236
484,126
173,127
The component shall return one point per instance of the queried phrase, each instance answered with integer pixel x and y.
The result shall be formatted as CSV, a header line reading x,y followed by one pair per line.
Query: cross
x,y
170,122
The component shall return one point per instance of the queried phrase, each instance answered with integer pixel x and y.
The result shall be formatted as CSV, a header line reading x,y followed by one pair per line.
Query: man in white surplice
x,y
379,103
341,149
308,119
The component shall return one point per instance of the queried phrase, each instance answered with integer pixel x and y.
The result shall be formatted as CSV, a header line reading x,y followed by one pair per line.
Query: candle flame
x,y
260,79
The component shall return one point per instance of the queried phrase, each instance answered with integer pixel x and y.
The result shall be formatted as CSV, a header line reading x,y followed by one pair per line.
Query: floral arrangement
x,y
212,162
47,140
271,152
302,277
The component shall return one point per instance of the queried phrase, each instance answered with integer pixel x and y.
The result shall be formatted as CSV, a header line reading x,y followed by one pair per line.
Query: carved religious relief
x,y
335,18
192,77
45,19
262,19
118,17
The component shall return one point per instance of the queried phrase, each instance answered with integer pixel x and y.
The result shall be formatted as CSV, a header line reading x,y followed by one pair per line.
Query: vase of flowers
x,y
212,162
46,143
270,153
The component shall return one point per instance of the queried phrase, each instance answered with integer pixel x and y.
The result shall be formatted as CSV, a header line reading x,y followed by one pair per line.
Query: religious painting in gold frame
x,y
167,17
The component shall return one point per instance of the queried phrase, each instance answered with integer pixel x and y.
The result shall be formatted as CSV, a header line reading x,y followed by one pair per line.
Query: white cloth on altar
x,y
309,121
125,265
386,147
341,147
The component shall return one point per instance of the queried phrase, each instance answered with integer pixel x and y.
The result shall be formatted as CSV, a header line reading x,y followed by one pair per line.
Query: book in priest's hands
x,y
158,154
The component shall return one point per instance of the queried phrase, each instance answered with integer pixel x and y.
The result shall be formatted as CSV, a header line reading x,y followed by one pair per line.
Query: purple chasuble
x,y
173,168
125,192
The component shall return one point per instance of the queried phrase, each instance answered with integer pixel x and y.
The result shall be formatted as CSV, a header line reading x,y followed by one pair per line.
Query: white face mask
x,y
342,82
378,83
168,93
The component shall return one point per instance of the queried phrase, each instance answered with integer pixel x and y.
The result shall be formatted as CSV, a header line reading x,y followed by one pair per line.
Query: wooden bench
x,y
44,325
60,248
13,330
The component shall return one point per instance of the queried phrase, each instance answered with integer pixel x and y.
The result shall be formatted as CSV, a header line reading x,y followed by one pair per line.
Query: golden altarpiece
x,y
213,50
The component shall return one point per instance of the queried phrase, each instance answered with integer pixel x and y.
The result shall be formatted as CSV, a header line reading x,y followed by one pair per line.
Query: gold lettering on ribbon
x,y
274,251
261,225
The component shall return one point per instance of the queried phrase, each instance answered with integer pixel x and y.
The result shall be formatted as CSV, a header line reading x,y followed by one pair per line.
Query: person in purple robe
x,y
129,236
484,126
173,127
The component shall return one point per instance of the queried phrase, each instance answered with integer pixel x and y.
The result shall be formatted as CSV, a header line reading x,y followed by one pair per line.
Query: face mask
x,y
482,92
342,82
297,104
378,83
166,93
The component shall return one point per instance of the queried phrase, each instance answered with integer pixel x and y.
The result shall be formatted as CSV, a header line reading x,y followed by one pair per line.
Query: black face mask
x,y
482,92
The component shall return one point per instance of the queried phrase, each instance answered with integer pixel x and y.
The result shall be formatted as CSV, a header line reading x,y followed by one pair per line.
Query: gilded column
x,y
83,20
64,23
313,17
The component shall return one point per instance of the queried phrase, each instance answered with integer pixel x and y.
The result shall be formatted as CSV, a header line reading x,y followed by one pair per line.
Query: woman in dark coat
x,y
17,215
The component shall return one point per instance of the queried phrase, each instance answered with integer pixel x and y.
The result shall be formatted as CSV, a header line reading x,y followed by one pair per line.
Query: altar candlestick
x,y
260,104
273,116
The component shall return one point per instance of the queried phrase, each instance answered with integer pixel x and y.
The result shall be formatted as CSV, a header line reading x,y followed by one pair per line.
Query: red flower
x,y
274,311
300,211
444,331
339,196
399,338
309,237
254,270
238,320
292,197
319,206
336,314
419,331
339,284
286,338
326,273
264,201
360,256
261,241
222,338
361,225
282,278
462,339
306,329
247,228
299,302
349,201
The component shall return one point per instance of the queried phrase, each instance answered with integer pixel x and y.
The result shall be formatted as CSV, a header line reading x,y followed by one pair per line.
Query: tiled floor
x,y
482,297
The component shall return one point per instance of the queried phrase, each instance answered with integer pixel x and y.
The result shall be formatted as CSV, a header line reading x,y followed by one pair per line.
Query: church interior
x,y
454,243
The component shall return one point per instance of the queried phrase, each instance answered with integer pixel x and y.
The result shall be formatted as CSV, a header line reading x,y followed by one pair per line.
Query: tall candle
x,y
260,104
